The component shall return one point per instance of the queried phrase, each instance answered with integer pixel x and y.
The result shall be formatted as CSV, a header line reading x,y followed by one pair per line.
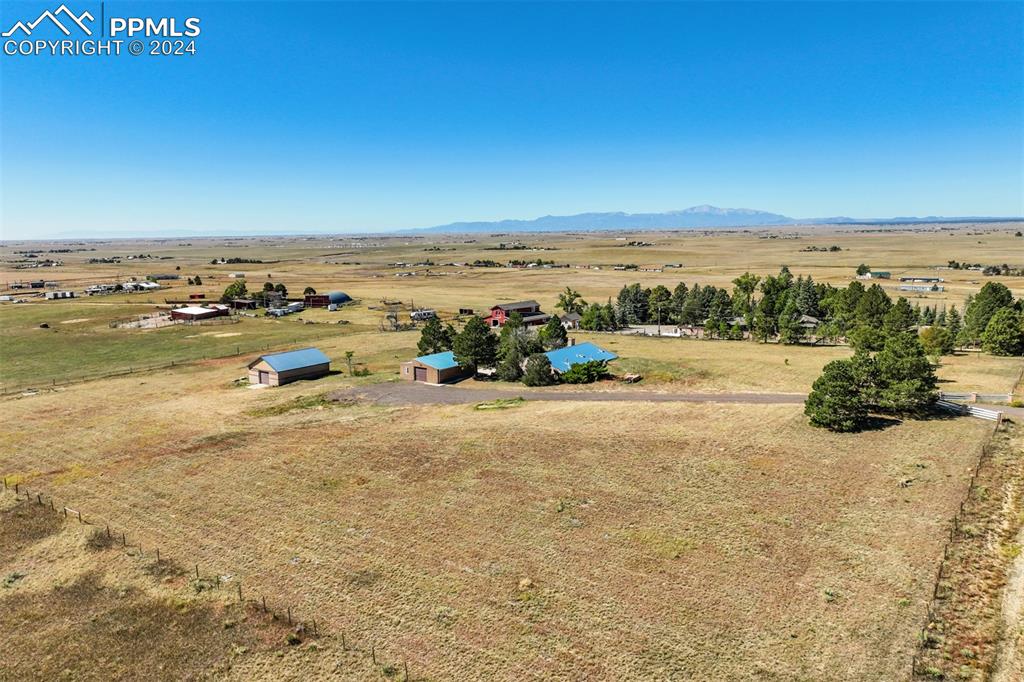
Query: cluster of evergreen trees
x,y
994,321
898,380
517,353
778,307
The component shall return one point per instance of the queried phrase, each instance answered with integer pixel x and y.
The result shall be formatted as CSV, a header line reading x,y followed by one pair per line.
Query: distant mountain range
x,y
695,217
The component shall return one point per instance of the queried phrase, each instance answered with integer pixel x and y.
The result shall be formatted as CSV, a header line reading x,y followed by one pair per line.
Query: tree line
x,y
789,308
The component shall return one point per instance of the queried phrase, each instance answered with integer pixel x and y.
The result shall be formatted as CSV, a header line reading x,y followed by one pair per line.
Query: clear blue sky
x,y
303,117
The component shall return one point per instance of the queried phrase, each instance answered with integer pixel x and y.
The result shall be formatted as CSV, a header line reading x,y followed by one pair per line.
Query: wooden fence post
x,y
239,591
264,604
373,654
197,571
289,615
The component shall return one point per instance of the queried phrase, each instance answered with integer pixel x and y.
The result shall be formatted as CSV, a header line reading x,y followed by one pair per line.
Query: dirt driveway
x,y
414,393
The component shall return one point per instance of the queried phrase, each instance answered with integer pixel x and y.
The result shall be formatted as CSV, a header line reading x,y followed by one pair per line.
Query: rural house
x,y
563,359
438,368
530,311
334,298
571,320
278,369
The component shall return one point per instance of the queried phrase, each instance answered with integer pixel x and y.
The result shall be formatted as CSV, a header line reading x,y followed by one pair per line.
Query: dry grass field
x,y
79,341
549,540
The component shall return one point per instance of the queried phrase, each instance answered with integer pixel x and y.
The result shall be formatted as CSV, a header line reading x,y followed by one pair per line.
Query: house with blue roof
x,y
436,368
562,359
277,369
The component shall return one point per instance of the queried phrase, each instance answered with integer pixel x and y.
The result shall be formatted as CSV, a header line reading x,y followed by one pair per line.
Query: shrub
x,y
585,372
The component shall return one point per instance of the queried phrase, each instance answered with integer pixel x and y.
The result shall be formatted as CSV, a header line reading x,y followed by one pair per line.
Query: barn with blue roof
x,y
563,359
436,368
277,369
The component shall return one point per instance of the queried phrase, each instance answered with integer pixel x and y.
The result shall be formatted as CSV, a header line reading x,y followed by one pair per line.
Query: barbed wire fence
x,y
956,527
277,610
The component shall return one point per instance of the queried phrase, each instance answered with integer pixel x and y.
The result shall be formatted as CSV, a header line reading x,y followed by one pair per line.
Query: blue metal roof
x,y
294,359
338,297
445,360
564,358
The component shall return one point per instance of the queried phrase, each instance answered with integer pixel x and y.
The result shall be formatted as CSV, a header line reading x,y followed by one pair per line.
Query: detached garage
x,y
438,368
278,369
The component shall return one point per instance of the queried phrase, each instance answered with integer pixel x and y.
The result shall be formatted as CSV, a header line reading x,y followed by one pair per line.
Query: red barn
x,y
530,311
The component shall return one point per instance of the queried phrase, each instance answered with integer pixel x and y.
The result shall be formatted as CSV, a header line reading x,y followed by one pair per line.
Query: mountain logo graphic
x,y
77,20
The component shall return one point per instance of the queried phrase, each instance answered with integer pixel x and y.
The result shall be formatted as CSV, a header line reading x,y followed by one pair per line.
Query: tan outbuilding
x,y
278,369
438,368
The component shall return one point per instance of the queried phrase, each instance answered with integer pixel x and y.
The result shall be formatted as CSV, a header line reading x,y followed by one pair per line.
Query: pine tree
x,y
475,346
553,335
538,371
906,378
992,297
692,308
836,402
510,366
954,325
678,301
790,330
899,319
1004,334
872,307
434,338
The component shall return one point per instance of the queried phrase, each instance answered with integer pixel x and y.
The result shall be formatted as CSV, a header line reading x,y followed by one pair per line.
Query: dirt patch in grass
x,y
961,640
89,630
22,525
301,402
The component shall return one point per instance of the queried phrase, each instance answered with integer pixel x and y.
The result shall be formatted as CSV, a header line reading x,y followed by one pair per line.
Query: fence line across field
x,y
134,369
35,499
955,531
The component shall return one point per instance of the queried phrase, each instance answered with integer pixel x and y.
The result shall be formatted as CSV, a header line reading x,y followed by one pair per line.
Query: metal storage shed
x,y
437,368
278,369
